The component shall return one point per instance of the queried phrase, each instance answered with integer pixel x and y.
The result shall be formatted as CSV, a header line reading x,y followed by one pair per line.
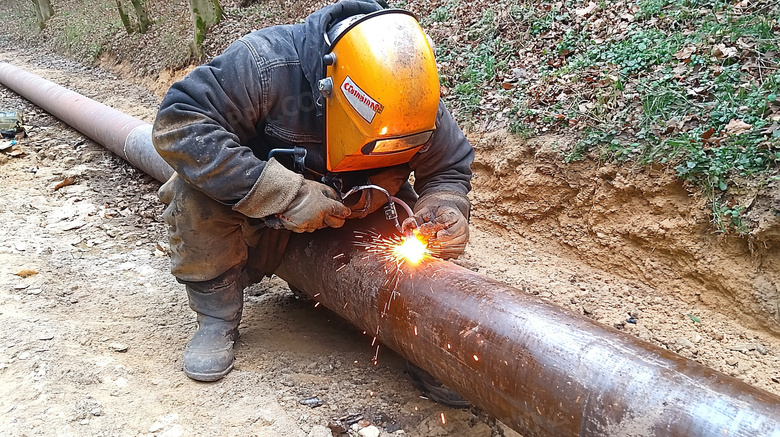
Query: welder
x,y
268,137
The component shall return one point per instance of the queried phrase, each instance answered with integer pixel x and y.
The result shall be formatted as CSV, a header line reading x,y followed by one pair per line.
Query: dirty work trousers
x,y
208,238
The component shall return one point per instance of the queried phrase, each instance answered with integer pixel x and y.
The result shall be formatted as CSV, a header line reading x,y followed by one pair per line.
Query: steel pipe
x,y
124,135
538,368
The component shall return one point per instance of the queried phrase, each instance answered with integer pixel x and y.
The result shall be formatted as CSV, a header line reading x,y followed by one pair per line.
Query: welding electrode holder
x,y
391,213
298,155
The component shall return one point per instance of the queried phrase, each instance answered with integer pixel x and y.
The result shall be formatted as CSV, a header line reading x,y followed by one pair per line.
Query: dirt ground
x,y
91,339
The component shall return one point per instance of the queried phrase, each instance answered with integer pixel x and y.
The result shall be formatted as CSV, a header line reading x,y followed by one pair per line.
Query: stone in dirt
x,y
683,343
369,431
746,347
319,431
118,347
175,431
163,421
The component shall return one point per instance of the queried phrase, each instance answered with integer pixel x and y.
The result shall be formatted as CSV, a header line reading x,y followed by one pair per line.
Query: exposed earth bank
x,y
93,326
643,224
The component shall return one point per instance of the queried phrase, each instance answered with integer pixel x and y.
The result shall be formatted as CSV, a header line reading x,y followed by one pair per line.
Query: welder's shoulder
x,y
270,47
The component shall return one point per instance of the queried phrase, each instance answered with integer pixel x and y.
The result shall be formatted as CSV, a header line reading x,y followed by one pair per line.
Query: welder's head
x,y
381,91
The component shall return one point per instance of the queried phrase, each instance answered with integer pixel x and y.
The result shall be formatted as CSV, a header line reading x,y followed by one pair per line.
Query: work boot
x,y
434,389
218,303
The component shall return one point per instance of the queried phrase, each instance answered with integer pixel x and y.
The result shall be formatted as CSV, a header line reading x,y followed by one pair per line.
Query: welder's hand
x,y
315,206
443,218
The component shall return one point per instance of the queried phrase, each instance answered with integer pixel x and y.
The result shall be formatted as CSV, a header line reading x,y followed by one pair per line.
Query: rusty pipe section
x,y
538,368
124,135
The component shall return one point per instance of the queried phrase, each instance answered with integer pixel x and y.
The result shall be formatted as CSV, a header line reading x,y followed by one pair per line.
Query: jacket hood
x,y
310,38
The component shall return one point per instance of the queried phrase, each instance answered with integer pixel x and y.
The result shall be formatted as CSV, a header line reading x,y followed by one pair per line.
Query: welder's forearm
x,y
446,165
204,120
206,156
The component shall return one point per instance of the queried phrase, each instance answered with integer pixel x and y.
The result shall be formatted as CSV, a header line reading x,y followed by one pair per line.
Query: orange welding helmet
x,y
381,91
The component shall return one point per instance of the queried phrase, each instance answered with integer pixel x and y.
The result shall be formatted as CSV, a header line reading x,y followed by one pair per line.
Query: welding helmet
x,y
381,91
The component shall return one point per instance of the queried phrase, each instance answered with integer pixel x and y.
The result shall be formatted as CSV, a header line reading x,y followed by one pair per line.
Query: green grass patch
x,y
477,62
680,108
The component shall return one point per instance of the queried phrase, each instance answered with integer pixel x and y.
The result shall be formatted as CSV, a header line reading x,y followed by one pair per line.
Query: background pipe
x,y
538,368
124,135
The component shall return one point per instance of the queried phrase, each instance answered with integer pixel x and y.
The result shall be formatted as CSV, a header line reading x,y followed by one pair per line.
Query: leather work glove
x,y
285,200
443,218
316,206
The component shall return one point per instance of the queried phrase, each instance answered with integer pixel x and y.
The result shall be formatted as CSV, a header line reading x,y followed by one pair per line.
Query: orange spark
x,y
443,419
411,249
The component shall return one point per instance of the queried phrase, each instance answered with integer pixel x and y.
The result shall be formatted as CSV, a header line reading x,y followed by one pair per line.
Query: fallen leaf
x,y
70,180
587,10
708,134
697,91
26,273
720,51
519,73
771,129
685,53
736,127
674,124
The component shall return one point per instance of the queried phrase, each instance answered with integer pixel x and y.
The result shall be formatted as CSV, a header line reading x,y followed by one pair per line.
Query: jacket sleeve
x,y
446,163
205,118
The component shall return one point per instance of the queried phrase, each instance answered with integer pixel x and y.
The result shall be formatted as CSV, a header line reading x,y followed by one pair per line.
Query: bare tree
x,y
43,11
140,12
143,16
205,13
125,19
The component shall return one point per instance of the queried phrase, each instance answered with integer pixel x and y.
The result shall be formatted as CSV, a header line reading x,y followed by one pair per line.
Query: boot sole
x,y
208,377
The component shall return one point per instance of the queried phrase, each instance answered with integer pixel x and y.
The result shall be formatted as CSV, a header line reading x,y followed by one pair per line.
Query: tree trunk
x,y
205,13
124,17
143,16
43,11
46,10
217,10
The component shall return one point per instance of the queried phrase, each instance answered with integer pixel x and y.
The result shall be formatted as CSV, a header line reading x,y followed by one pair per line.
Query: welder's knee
x,y
206,237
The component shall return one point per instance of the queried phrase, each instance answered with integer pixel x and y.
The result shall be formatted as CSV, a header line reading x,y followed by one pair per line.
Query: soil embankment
x,y
642,224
